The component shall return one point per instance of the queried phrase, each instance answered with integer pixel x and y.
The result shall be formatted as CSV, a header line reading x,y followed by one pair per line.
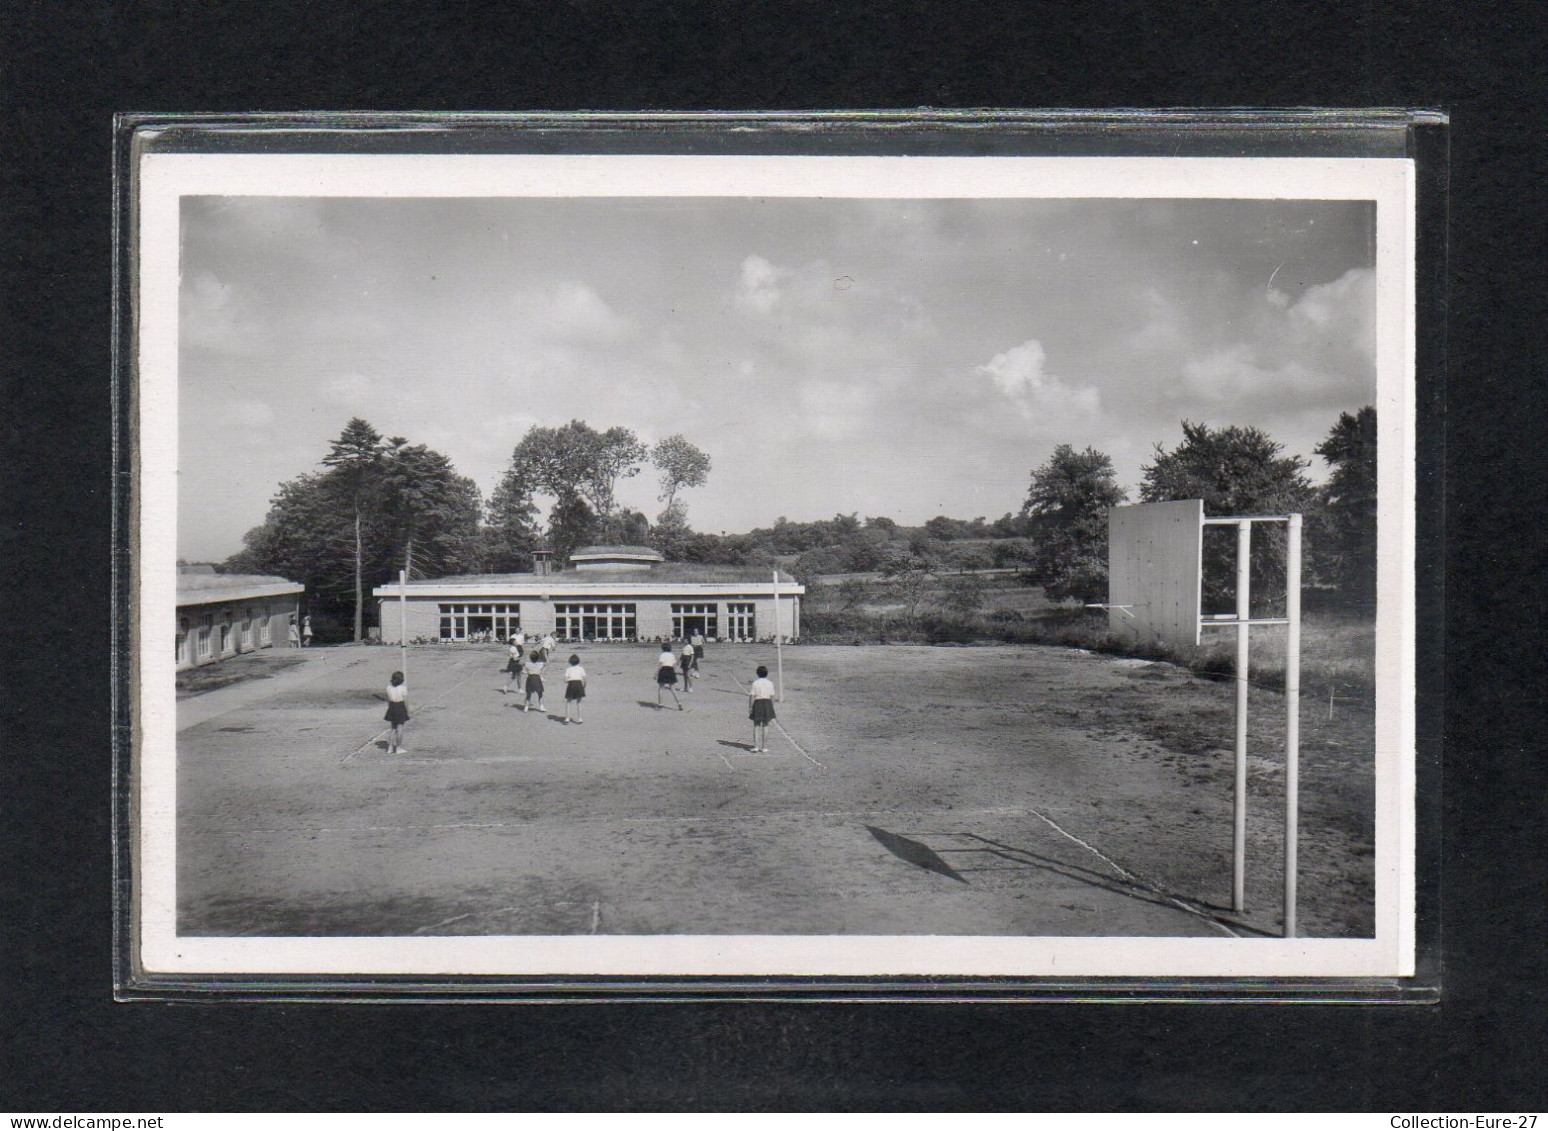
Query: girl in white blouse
x,y
397,713
574,689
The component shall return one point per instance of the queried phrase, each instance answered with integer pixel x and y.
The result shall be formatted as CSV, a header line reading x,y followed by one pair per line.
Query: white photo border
x,y
162,179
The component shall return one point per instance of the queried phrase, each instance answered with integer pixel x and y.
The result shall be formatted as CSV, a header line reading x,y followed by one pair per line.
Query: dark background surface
x,y
65,1045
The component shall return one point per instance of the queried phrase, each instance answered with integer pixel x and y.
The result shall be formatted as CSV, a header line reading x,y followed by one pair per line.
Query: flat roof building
x,y
226,614
609,593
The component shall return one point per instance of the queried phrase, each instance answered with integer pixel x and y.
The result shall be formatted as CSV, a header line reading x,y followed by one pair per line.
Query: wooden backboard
x,y
1155,557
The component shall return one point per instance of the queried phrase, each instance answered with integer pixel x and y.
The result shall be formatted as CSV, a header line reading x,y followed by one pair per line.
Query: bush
x,y
937,628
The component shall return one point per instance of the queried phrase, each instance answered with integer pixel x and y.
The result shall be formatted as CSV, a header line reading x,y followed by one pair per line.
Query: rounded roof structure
x,y
618,553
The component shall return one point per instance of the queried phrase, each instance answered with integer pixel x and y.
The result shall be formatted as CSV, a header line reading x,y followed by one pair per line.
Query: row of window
x,y
494,621
230,635
594,620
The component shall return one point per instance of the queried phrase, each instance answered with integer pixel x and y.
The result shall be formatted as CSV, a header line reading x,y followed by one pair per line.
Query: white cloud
x,y
1340,315
568,312
1021,376
1164,326
759,288
1233,375
1311,351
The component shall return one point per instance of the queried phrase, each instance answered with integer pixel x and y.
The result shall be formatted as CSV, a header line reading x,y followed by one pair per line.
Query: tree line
x,y
377,505
1235,471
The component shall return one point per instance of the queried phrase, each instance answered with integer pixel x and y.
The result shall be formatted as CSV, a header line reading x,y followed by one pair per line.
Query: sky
x,y
905,358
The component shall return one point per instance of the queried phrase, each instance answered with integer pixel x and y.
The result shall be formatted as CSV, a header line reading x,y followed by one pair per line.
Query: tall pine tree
x,y
355,460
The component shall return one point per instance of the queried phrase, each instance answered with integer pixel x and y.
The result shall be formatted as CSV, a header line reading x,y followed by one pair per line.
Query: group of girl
x,y
531,665
667,664
760,695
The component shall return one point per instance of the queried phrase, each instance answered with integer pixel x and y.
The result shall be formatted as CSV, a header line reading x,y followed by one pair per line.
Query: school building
x,y
607,593
226,614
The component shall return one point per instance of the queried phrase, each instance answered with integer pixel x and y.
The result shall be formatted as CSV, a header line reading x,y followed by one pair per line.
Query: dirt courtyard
x,y
995,790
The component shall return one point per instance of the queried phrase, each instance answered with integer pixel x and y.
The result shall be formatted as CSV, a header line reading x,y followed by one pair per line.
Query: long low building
x,y
226,614
608,593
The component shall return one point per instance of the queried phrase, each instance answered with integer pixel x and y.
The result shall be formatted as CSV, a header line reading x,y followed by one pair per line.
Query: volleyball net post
x,y
403,623
779,652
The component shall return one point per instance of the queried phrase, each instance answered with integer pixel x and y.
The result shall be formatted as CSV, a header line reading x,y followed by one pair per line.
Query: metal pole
x,y
1243,636
403,623
1292,718
779,655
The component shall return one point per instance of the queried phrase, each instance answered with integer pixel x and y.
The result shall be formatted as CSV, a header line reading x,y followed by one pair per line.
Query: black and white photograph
x,y
753,566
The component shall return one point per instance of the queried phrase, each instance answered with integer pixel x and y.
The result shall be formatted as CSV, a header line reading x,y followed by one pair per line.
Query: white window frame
x,y
741,615
504,618
615,620
710,610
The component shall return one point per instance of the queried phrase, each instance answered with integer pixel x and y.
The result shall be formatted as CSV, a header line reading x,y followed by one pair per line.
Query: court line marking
x,y
1137,881
781,728
460,918
377,737
1005,810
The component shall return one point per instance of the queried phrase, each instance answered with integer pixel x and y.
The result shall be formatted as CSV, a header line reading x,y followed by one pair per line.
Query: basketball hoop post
x,y
1243,647
1155,580
1292,718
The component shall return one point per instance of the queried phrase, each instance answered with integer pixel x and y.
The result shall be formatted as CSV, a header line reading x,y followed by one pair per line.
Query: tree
x,y
944,529
356,458
973,557
1009,526
1346,550
307,536
843,527
1236,471
965,596
625,527
377,507
510,532
1066,517
671,534
852,593
579,468
681,465
431,512
570,526
911,575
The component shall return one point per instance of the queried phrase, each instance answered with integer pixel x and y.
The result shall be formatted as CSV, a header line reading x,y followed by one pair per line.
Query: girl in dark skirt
x,y
574,689
760,709
397,713
513,668
535,666
685,658
666,674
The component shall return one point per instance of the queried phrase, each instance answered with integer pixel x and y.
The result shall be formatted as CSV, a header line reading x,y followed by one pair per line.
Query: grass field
x,y
1338,650
1001,789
